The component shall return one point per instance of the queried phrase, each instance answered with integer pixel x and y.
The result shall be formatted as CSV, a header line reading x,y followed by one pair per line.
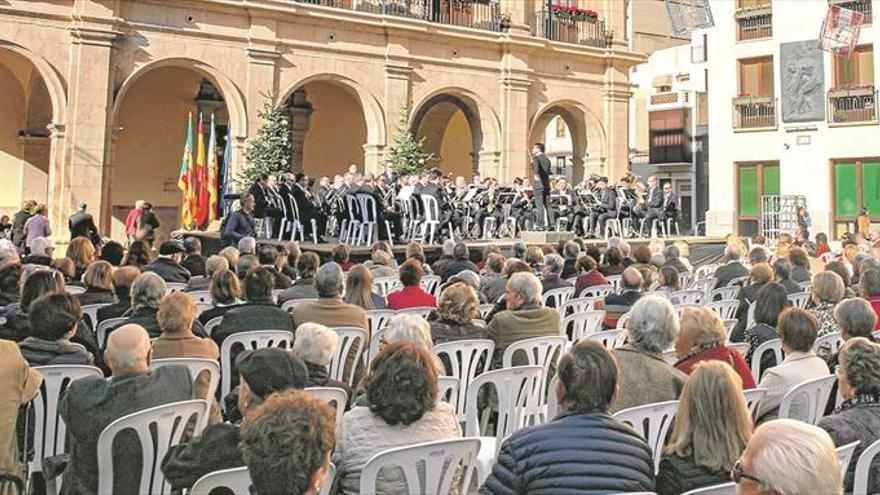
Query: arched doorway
x,y
450,127
150,128
25,143
574,137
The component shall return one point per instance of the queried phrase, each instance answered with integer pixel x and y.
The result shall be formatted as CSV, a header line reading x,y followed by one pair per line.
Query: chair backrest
x,y
104,327
754,396
336,397
174,287
352,207
652,421
799,299
195,366
384,285
74,289
577,305
212,324
688,296
863,468
772,345
438,462
167,423
806,286
50,432
740,347
552,403
725,309
351,339
614,281
555,298
539,351
467,359
739,281
236,480
517,389
91,310
722,489
704,271
423,311
621,321
377,319
582,323
730,326
704,284
844,455
597,291
432,208
816,391
724,294
679,308
200,296
484,310
431,284
368,207
750,315
290,304
256,339
833,339
448,386
608,338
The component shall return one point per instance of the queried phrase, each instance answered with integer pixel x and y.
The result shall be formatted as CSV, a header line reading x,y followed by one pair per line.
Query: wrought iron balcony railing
x,y
863,6
754,22
754,112
475,14
848,105
562,26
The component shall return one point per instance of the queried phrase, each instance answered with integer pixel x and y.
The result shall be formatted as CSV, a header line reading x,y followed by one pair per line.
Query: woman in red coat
x,y
702,337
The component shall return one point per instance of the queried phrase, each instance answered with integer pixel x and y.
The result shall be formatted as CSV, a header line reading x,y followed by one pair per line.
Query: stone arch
x,y
587,134
54,84
484,126
371,111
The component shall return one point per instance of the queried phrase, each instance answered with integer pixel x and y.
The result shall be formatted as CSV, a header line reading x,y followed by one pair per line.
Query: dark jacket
x,y
791,286
554,282
573,454
94,295
18,328
18,221
303,288
454,267
747,295
615,305
238,226
34,259
146,317
147,223
611,270
39,352
169,270
209,314
282,281
856,422
215,449
449,331
677,264
319,376
194,264
252,316
116,309
81,224
728,272
800,274
569,270
91,404
679,475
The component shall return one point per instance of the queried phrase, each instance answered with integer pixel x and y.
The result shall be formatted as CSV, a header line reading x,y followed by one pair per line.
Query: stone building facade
x,y
95,93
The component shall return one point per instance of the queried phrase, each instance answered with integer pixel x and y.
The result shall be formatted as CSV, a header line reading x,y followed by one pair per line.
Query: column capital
x,y
56,131
515,83
93,36
395,71
617,94
263,56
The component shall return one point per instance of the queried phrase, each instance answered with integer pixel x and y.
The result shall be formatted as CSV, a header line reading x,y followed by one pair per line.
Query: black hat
x,y
170,247
271,370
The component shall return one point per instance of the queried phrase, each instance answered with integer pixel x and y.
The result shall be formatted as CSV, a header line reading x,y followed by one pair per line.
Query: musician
x,y
583,200
670,202
521,207
388,209
266,203
323,193
653,202
541,172
308,207
431,187
488,207
390,174
606,207
561,199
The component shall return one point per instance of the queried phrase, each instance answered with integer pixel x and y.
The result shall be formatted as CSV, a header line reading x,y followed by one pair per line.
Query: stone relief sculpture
x,y
803,85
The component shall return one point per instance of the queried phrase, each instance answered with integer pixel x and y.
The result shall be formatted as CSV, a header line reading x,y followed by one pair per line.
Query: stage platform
x,y
702,249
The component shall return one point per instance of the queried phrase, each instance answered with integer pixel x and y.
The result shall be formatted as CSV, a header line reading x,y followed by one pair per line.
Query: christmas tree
x,y
406,151
269,152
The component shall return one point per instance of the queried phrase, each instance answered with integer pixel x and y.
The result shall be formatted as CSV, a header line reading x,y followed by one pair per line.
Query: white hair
x,y
448,247
147,290
139,204
782,447
128,355
554,263
315,343
653,323
39,246
247,245
329,280
527,285
411,328
571,250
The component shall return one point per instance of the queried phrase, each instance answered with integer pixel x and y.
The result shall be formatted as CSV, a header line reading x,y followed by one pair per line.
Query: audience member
x,y
38,283
340,254
359,289
213,265
412,295
381,264
146,293
645,377
552,274
782,268
588,275
760,275
843,272
247,246
259,312
493,271
584,449
112,252
167,265
757,255
827,292
732,267
460,262
41,251
571,251
82,252
123,278
329,310
54,320
408,328
616,305
316,345
672,257
225,295
98,281
702,337
139,255
869,289
65,267
456,310
231,254
10,284
18,385
268,258
772,300
668,281
304,286
800,265
525,316
613,263
193,260
446,257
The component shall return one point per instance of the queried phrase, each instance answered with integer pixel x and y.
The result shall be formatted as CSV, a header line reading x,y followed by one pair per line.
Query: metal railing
x,y
669,146
852,105
863,6
551,26
670,97
754,112
754,23
476,14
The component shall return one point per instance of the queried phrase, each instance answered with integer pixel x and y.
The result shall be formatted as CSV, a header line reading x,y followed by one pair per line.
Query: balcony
x,y
670,98
863,6
852,104
698,54
669,146
754,112
562,25
754,23
475,14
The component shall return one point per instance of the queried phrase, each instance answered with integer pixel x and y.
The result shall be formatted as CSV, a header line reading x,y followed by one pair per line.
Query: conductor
x,y
541,171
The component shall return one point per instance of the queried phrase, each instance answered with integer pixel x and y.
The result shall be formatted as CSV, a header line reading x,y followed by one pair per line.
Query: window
x,y
756,76
858,69
753,181
856,185
560,127
669,141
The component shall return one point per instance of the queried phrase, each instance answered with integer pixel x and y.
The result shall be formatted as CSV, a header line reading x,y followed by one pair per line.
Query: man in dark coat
x,y
18,221
460,262
260,311
607,208
541,179
82,224
299,190
240,223
583,449
733,268
194,262
91,404
653,202
167,265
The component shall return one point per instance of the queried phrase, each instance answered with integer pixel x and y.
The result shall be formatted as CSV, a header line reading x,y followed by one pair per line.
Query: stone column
x,y
35,156
398,96
374,158
262,60
514,130
522,14
300,114
616,120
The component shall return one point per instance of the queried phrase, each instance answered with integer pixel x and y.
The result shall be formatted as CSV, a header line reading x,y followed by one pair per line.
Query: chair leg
x,y
315,231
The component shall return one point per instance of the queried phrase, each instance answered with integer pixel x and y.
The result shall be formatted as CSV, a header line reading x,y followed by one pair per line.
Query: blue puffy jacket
x,y
574,454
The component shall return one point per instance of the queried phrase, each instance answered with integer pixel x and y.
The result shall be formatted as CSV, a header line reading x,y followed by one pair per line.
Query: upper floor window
x,y
857,69
756,77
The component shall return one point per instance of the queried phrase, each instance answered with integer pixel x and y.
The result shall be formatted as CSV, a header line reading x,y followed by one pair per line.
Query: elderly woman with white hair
x,y
645,377
381,266
409,328
316,344
552,273
146,293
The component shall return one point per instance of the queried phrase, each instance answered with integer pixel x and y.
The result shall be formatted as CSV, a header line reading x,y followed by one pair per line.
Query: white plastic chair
x,y
833,339
555,298
195,366
104,327
754,397
552,402
212,324
597,291
174,287
437,460
50,432
772,345
517,390
291,304
349,338
800,299
467,359
688,296
722,489
817,392
200,296
608,338
750,315
844,455
539,351
431,285
582,324
679,308
448,386
168,423
484,310
91,310
730,326
724,294
431,222
614,281
336,397
257,339
577,305
741,347
725,309
236,480
863,468
384,285
707,285
423,311
806,286
74,289
621,321
652,421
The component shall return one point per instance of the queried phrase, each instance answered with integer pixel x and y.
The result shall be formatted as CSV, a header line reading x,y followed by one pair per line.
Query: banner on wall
x,y
689,15
840,30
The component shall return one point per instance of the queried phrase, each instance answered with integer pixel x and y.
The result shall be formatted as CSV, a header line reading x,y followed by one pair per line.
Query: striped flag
x,y
185,179
200,212
212,173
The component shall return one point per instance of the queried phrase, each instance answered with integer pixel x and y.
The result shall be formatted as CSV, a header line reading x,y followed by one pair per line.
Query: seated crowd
x,y
759,323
